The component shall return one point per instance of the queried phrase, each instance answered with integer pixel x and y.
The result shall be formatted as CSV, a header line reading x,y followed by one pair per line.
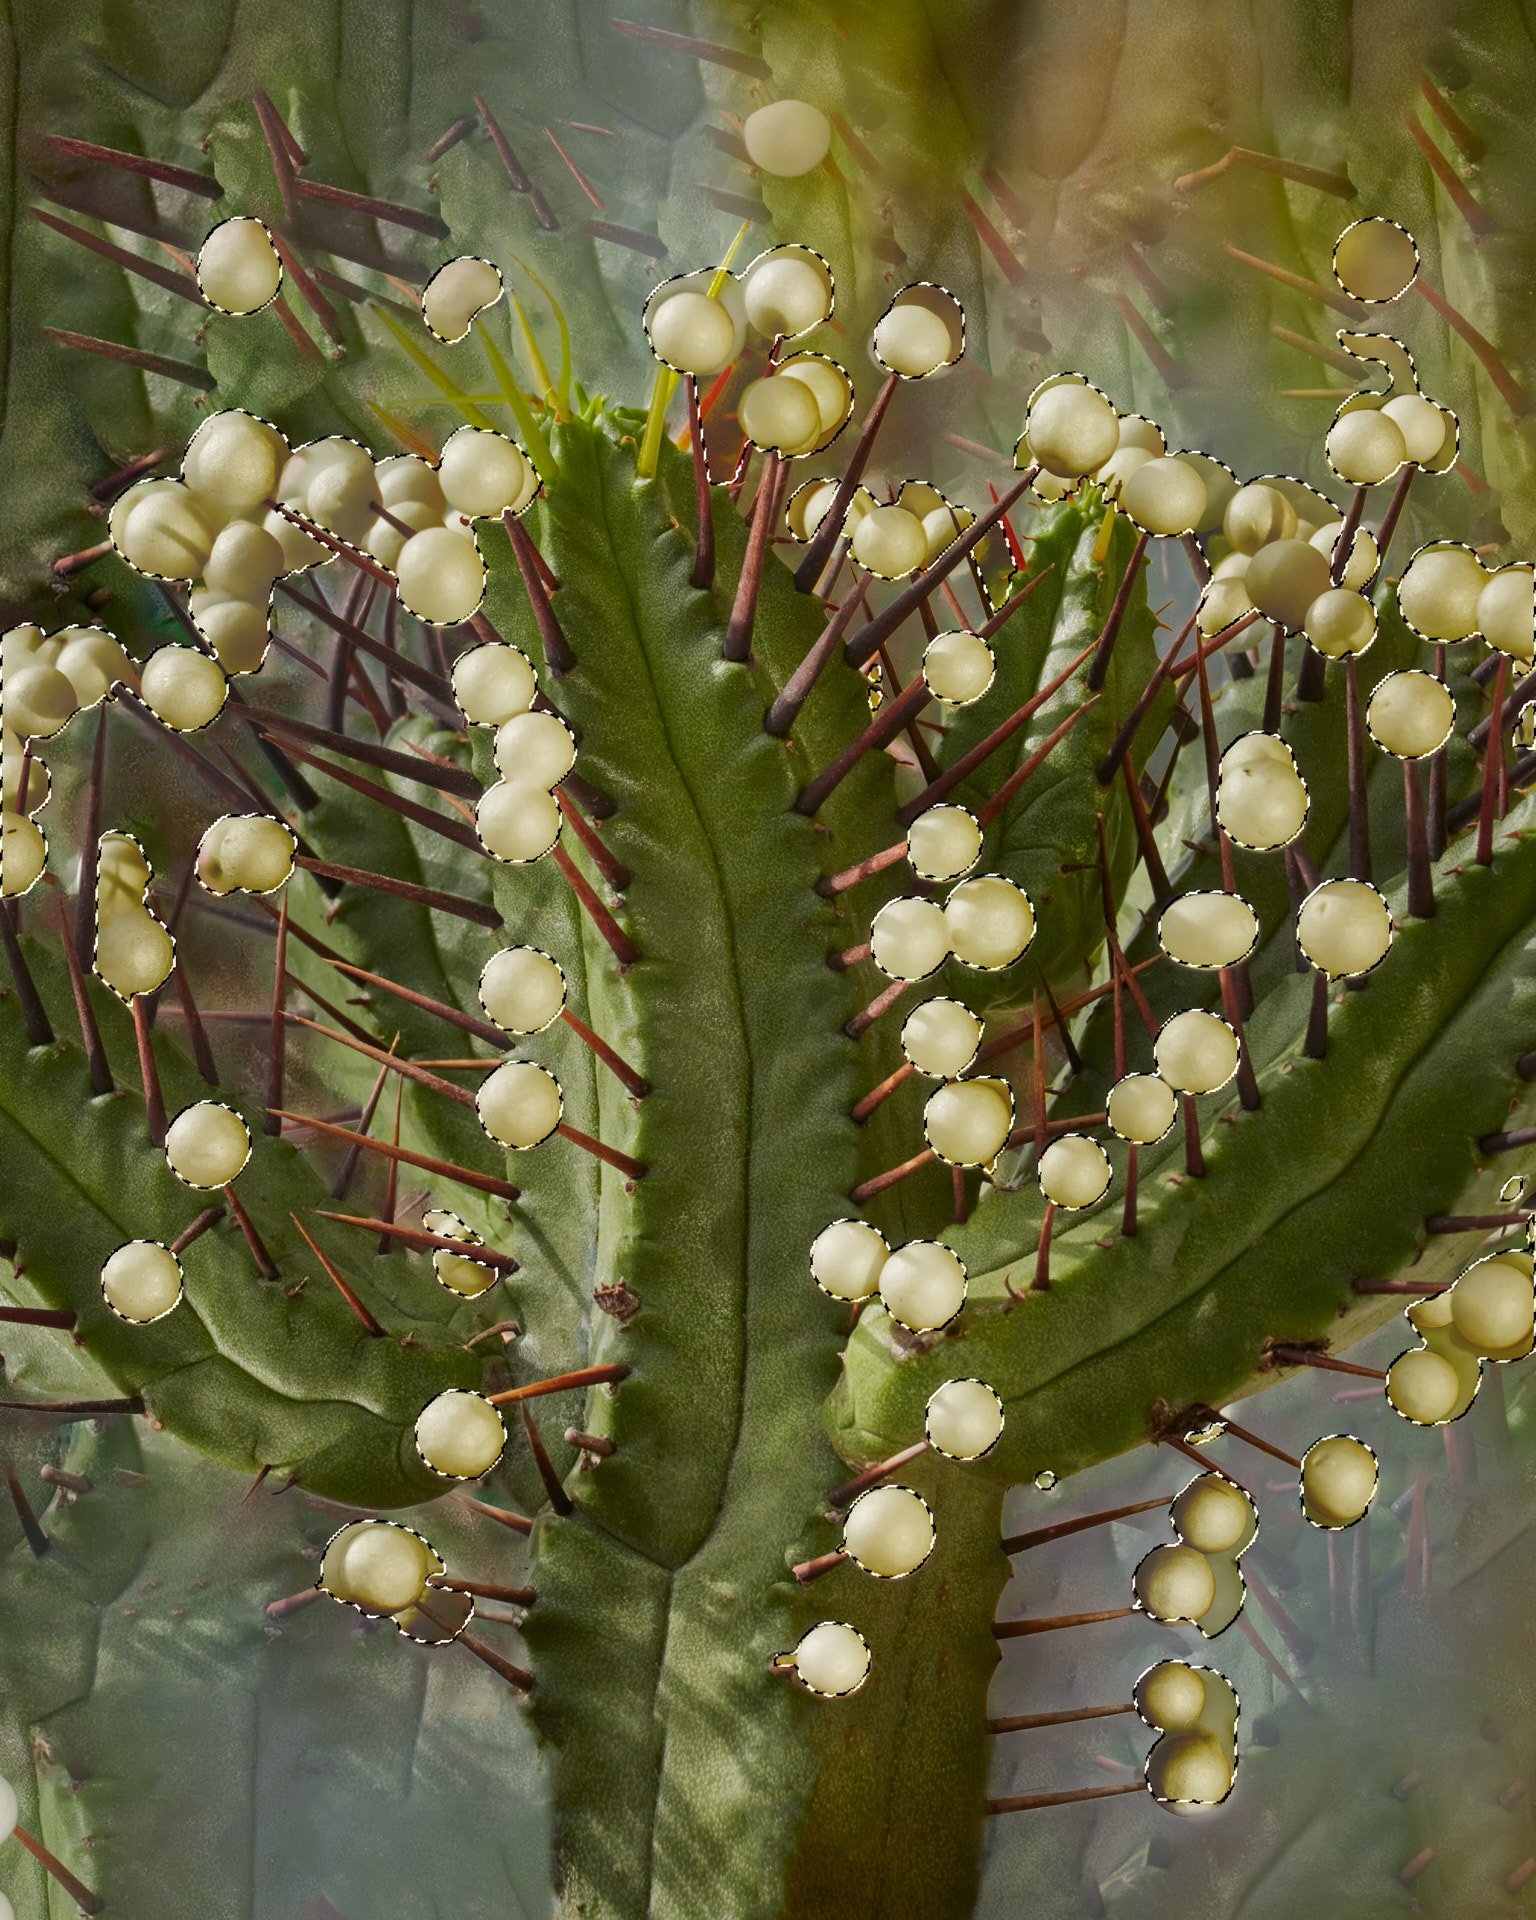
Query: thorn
x,y
265,1264
785,708
1337,184
576,173
1028,1802
85,1013
397,662
158,363
559,1499
499,1514
39,1032
186,179
1471,210
387,210
78,1409
38,1317
445,1169
1511,392
872,1476
258,1482
1042,1279
1007,261
1146,840
1339,302
866,1018
1440,1223
631,1168
809,1570
622,947
1316,1044
518,1677
1169,370
1056,1623
77,1890
31,1527
703,574
765,513
706,50
1194,1157
207,1218
1042,1536
154,1100
371,1326
562,1382
441,776
453,903
1359,806
558,657
613,870
1416,1865
163,277
62,1477
1309,1357
447,141
1493,765
1109,765
485,1590
1252,1439
294,1603
202,1050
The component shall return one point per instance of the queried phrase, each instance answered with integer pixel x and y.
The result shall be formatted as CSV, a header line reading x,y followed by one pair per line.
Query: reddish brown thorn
x,y
785,708
310,293
158,363
499,1514
1043,1536
559,1499
275,133
1512,393
1469,143
1493,766
1284,1356
703,574
1007,261
485,1590
738,632
1315,1046
515,1676
1471,209
590,1443
1254,1440
467,1022
809,1570
1042,1279
967,764
73,563
850,957
293,1603
38,1317
866,1018
576,173
1120,745
154,1100
390,211
1337,184
863,648
370,1325
1231,1006
77,1890
343,549
209,1216
1026,1722
278,1038
187,179
1359,804
1274,685
445,1169
819,549
126,474
78,1409
398,663
1267,1654
622,947
558,656
872,1476
562,1383
446,142
1414,1287
613,870
1437,778
1030,1802
407,1068
1421,879
1477,1222
1329,296
631,1168
440,776
520,181
266,1266
1194,1454
31,1527
837,883
197,1033
636,1083
459,832
452,903
419,1237
895,713
706,50
296,333
1168,369
1146,840
85,1013
1194,1157
880,1182
163,277
1056,1623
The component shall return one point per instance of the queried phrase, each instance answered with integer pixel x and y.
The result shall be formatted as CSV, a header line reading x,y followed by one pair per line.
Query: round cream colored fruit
x,y
460,1434
1338,1480
23,855
1257,515
1427,1316
207,1145
1506,611
141,1282
1344,927
461,1274
377,1565
237,631
1339,622
1171,1696
1261,803
888,1532
457,294
92,662
1074,1172
968,1121
1440,591
493,683
990,921
1364,555
535,750
780,415
233,459
890,543
808,506
246,853
122,874
134,953
522,989
1213,1515
847,1259
940,1038
909,939
690,333
1284,578
238,270
788,291
1492,1305
519,1104
1364,447
832,391
1196,1051
482,473
1410,714
341,488
8,1813
1072,428
407,477
1423,425
787,138
963,1419
1119,467
1175,1583
943,843
958,667
922,1286
1164,497
517,824
1222,604
1375,260
1190,1770
441,577
1141,1108
913,341
244,562
1208,929
1424,1387
832,1659
184,688
384,538
39,701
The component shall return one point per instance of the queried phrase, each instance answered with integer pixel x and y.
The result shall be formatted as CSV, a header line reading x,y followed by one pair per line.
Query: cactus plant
x,y
559,1049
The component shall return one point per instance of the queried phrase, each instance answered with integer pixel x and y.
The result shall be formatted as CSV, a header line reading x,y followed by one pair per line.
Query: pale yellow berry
x,y
460,1434
23,854
909,939
991,922
1072,428
958,667
492,683
832,1659
522,989
237,631
184,688
1492,1304
519,1104
1344,928
889,1532
1338,1480
141,1282
1339,622
1222,604
922,1285
913,339
831,389
534,750
517,824
1214,1515
1256,515
1208,929
1261,800
1424,426
406,476
787,138
1506,611
1141,1108
384,538
238,269
1175,1583
246,853
1164,497
245,560
847,1259
963,1419
788,291
1364,447
1171,1696
1423,1387
1190,1770
207,1145
1074,1172
1410,714
441,576
780,415
1375,260
378,1566
890,543
92,662
457,294
968,1121
233,460
134,953
482,473
1364,555
1196,1051
940,1038
1284,578
943,842
1440,591
39,701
